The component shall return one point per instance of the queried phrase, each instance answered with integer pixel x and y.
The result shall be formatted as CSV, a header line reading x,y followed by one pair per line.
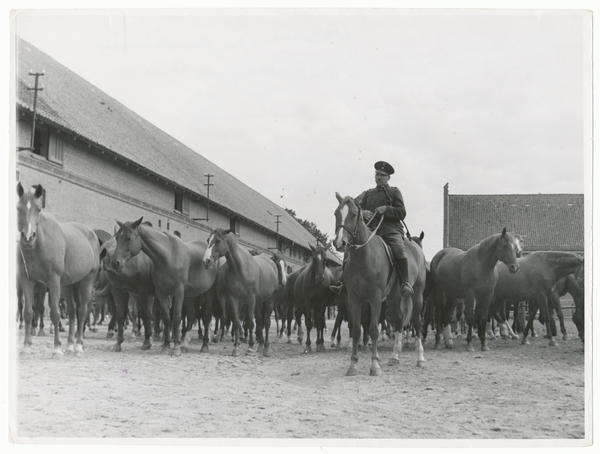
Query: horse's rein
x,y
373,233
24,262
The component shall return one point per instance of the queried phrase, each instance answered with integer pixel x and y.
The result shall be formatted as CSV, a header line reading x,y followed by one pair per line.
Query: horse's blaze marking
x,y
319,257
208,253
282,269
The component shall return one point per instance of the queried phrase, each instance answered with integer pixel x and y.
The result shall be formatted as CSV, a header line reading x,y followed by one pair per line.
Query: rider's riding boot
x,y
403,267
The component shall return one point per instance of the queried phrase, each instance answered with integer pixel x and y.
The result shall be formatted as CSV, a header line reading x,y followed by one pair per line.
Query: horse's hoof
x,y
525,342
26,352
449,346
234,353
110,335
204,349
470,348
116,348
79,354
321,348
485,348
41,333
156,338
421,363
57,354
146,346
334,345
267,353
250,352
69,352
565,337
184,349
299,340
438,346
176,351
289,341
553,343
375,371
94,330
393,362
307,349
505,337
352,371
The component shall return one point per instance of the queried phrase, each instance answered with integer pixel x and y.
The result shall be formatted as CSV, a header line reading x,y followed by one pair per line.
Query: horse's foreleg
x,y
555,301
250,325
374,333
267,324
259,321
27,297
447,315
308,322
533,308
482,312
354,316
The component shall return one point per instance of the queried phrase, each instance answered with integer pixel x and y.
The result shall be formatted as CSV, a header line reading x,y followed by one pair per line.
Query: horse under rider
x,y
385,200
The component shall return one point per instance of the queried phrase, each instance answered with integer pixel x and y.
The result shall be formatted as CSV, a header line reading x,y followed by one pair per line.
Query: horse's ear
x,y
120,224
228,231
422,235
39,191
137,223
20,190
503,232
102,253
339,197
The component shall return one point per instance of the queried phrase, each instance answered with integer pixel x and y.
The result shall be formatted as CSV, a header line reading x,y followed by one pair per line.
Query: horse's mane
x,y
561,258
489,242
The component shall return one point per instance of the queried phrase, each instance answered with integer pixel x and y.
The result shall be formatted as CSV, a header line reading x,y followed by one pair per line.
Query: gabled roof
x,y
547,222
71,103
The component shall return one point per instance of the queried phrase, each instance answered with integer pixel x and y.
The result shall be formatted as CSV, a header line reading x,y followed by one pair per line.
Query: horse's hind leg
x,y
449,311
67,293
146,303
555,302
470,316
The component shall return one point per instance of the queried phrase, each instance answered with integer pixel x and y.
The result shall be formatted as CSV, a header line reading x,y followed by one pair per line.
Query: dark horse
x,y
244,280
538,272
177,271
370,278
470,275
312,293
134,277
65,257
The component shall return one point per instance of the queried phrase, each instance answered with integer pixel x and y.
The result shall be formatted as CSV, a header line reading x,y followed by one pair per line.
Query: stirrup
x,y
407,289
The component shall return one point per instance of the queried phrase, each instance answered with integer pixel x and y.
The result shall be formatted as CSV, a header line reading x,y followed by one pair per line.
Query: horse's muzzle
x,y
208,263
117,266
28,243
512,269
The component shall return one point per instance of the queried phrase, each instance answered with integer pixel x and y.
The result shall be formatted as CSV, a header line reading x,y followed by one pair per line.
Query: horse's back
x,y
267,281
81,252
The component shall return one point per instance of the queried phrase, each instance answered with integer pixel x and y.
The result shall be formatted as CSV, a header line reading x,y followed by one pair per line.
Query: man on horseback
x,y
387,201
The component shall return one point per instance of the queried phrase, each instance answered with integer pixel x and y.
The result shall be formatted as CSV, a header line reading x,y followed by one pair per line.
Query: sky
x,y
299,104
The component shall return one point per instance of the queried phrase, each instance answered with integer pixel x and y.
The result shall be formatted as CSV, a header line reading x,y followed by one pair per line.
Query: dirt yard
x,y
511,392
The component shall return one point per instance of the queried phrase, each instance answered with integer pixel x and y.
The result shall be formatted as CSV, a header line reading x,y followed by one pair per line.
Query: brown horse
x,y
177,271
470,275
538,272
65,257
370,278
312,293
135,277
244,280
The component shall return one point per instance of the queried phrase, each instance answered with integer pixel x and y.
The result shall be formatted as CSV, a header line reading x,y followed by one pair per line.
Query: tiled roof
x,y
75,105
547,222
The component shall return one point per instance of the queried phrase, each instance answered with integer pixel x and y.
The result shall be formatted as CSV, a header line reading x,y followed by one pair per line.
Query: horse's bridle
x,y
354,232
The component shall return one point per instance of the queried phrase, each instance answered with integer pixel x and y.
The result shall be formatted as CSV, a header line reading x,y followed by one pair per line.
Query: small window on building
x,y
55,147
40,142
182,202
159,224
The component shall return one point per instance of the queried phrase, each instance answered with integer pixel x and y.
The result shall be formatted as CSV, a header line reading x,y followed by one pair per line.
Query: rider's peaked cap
x,y
384,167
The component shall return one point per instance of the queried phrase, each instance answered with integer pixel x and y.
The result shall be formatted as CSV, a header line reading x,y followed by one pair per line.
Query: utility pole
x,y
208,184
35,89
277,221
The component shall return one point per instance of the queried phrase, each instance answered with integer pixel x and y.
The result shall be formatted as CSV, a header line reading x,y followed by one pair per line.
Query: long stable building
x,y
547,222
98,161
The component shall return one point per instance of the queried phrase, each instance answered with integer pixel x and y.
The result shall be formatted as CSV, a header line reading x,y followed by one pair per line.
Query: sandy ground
x,y
511,392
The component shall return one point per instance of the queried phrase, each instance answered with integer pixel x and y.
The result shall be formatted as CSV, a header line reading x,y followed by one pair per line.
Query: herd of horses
x,y
175,283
